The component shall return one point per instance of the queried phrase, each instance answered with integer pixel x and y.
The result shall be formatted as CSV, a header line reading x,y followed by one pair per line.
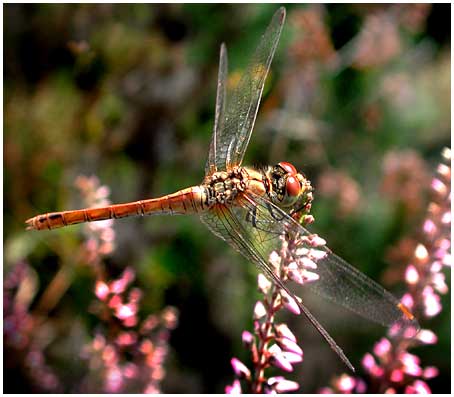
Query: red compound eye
x,y
293,186
288,167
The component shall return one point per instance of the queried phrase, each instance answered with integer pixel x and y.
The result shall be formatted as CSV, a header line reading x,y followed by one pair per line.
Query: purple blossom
x,y
23,331
273,344
240,369
235,388
391,368
281,385
130,355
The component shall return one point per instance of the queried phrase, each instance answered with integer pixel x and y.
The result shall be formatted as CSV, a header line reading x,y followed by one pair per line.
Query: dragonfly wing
x,y
338,281
230,224
216,140
235,123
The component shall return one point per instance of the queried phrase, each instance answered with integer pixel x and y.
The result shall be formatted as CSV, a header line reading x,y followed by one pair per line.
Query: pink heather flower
x,y
397,376
371,366
421,253
307,263
407,300
263,283
235,388
439,186
115,302
100,240
151,389
135,295
130,321
432,305
346,383
103,192
411,364
296,276
98,342
418,387
293,358
394,369
247,338
151,322
275,260
240,369
101,290
290,303
382,348
131,355
448,260
411,275
125,311
317,254
109,354
278,358
280,361
118,286
114,380
427,336
170,317
126,338
130,371
274,344
317,241
361,386
438,280
23,332
282,385
284,331
289,346
259,310
429,227
430,372
368,361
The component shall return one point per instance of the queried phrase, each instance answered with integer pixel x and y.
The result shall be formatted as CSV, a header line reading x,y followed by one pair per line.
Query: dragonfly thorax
x,y
223,187
289,189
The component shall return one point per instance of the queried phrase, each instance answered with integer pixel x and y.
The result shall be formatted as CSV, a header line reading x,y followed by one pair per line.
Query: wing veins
x,y
249,253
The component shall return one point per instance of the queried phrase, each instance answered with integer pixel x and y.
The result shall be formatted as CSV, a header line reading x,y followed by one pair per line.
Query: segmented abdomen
x,y
187,201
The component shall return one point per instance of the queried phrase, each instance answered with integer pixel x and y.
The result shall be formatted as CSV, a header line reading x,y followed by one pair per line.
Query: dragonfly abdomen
x,y
186,201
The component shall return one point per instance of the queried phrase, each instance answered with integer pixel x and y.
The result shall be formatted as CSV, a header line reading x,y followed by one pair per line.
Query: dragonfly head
x,y
289,189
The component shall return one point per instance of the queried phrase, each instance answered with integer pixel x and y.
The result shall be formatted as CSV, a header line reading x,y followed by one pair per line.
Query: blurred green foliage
x,y
127,93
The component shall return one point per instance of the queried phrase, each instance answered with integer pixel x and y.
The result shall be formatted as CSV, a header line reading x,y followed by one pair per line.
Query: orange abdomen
x,y
186,201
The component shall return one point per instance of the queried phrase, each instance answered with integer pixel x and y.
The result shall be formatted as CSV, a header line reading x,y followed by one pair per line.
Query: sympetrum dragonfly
x,y
252,209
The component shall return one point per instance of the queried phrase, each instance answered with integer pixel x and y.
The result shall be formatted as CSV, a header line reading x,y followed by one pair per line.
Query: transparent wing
x,y
217,138
337,281
236,117
228,224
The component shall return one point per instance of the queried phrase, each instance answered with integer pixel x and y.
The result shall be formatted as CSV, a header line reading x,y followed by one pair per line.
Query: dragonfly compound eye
x,y
290,168
293,187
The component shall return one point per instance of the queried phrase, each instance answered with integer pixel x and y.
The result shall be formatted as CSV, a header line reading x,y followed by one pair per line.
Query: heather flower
x,y
405,177
129,355
377,43
317,43
100,236
391,368
23,331
343,191
273,344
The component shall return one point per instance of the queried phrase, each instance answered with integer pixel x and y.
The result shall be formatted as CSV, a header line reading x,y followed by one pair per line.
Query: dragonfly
x,y
252,209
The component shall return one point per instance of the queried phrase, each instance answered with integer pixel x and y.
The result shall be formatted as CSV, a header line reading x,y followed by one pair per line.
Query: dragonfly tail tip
x,y
30,224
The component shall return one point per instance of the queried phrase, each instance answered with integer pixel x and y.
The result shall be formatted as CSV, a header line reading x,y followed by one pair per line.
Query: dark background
x,y
358,97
